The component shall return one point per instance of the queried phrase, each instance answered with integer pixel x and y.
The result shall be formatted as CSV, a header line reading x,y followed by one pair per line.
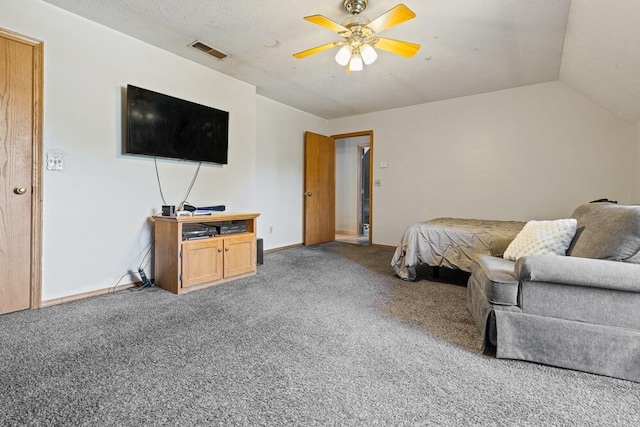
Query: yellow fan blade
x,y
313,50
395,16
323,21
398,47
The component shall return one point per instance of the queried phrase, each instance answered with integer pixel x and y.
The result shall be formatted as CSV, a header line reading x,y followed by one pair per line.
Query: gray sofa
x,y
580,311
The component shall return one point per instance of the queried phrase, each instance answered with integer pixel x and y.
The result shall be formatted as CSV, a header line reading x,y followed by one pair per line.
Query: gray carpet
x,y
320,336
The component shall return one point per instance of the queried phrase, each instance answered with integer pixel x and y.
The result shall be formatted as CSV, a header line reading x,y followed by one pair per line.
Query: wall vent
x,y
203,47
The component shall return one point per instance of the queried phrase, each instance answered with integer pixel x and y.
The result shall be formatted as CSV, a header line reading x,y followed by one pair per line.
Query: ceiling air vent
x,y
220,56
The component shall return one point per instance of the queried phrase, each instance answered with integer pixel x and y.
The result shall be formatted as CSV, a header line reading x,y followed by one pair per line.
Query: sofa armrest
x,y
596,273
498,270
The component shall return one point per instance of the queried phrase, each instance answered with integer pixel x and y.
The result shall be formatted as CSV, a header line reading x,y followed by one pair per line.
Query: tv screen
x,y
163,126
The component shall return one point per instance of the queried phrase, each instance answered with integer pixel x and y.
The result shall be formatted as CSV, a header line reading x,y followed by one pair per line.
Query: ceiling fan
x,y
359,35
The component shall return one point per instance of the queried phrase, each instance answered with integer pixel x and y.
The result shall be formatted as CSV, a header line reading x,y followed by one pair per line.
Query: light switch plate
x,y
55,162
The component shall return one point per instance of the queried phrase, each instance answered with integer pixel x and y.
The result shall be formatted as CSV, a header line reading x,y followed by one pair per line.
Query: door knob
x,y
308,193
20,190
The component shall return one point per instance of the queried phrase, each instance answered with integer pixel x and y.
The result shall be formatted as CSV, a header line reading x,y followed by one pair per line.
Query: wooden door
x,y
20,152
319,189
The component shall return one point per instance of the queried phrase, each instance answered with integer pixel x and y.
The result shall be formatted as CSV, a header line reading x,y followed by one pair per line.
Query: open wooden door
x,y
319,189
20,190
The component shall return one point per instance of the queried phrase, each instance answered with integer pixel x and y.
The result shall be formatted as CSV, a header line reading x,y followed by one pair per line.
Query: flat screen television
x,y
163,126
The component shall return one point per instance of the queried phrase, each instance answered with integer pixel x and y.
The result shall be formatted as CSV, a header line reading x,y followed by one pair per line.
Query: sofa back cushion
x,y
607,231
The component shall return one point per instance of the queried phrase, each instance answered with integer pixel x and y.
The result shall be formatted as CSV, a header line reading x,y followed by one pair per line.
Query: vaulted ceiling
x,y
468,47
601,56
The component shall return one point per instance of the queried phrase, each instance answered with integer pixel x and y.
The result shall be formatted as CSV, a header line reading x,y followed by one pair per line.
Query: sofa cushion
x,y
607,231
542,238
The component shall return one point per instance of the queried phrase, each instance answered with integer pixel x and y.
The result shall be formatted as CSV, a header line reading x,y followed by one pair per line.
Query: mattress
x,y
451,242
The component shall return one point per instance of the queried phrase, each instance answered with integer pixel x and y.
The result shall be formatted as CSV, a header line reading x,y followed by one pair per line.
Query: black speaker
x,y
260,257
168,210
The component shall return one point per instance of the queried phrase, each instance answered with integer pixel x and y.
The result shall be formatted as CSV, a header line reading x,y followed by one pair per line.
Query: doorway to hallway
x,y
353,188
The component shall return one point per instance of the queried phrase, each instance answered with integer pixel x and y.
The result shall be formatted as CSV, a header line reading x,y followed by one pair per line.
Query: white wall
x,y
96,210
347,185
533,152
279,170
346,182
636,176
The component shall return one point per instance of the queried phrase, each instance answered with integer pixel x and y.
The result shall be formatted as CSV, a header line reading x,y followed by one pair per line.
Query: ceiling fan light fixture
x,y
369,54
344,55
356,62
360,40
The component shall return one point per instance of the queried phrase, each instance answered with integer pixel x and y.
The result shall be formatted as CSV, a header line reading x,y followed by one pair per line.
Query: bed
x,y
451,242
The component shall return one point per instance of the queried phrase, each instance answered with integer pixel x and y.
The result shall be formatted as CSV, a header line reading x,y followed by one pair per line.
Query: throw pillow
x,y
607,231
542,238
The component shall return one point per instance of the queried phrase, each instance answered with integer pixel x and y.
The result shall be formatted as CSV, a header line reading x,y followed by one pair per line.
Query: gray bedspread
x,y
450,242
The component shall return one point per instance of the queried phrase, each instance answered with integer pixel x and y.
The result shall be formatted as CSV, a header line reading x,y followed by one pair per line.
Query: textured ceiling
x,y
601,57
468,47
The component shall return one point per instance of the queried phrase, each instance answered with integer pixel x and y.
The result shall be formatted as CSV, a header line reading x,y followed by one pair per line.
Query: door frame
x,y
368,133
36,166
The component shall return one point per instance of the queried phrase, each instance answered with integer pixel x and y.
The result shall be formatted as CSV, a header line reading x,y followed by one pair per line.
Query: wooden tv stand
x,y
186,265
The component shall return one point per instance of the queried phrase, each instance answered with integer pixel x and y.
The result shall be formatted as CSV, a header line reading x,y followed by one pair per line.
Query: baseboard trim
x,y
282,248
84,295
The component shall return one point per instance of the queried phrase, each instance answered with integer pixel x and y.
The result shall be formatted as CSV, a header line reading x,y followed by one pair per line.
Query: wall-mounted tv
x,y
163,126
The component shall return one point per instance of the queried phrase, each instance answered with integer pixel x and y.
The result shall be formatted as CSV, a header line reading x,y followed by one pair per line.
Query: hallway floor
x,y
353,239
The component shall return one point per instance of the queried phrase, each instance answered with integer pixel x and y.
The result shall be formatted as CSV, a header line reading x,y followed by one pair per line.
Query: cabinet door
x,y
239,255
201,261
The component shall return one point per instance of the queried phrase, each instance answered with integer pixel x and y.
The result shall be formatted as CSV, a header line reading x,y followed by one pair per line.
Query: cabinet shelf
x,y
217,236
182,265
